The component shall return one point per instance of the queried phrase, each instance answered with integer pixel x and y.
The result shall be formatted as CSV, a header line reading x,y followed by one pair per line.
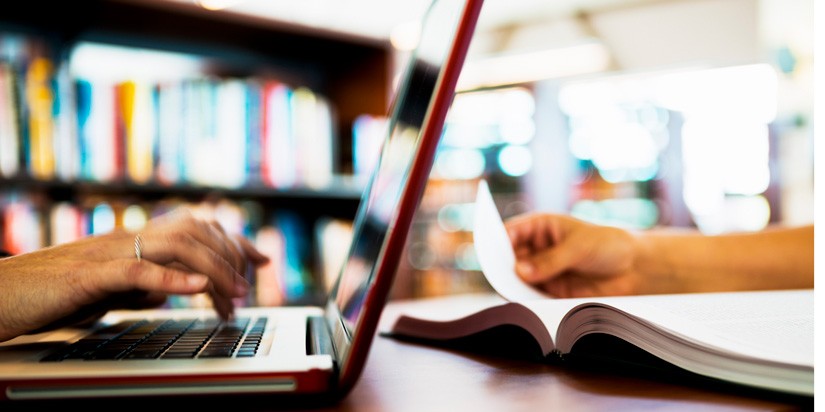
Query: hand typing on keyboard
x,y
176,253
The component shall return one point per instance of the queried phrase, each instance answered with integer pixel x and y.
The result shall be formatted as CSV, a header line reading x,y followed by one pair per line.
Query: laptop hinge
x,y
319,340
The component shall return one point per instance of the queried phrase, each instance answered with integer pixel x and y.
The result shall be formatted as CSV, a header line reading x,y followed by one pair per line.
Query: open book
x,y
759,339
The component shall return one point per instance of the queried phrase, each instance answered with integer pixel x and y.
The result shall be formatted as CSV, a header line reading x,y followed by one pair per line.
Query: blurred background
x,y
695,114
636,113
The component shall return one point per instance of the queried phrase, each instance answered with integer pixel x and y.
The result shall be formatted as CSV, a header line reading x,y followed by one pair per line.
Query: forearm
x,y
775,258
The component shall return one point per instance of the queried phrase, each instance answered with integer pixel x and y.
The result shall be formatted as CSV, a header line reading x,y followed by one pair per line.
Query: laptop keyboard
x,y
167,339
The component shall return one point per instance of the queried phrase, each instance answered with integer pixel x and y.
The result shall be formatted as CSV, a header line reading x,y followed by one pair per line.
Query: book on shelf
x,y
298,145
39,98
254,156
122,114
278,145
9,129
752,339
68,119
27,105
313,136
169,167
66,139
95,105
248,126
216,133
138,127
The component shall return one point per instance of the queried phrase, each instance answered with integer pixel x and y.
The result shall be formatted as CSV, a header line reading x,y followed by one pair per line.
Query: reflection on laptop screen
x,y
377,211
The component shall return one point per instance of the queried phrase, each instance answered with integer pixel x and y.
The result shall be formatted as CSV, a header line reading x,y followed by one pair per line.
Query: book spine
x,y
83,105
279,146
171,135
230,134
67,140
99,129
9,130
40,100
254,133
138,126
155,132
122,120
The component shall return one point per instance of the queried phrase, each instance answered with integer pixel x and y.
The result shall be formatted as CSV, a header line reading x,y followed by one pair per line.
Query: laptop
x,y
287,350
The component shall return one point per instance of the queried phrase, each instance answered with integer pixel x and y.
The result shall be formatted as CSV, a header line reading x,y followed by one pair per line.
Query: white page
x,y
769,325
774,325
494,251
764,339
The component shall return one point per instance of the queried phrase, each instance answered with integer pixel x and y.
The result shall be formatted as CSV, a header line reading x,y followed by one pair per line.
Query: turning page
x,y
495,253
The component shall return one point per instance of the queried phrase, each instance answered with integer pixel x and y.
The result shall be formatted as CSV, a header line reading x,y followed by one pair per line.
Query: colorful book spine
x,y
170,130
230,134
254,133
312,133
199,99
40,99
83,111
9,130
96,121
138,129
279,166
98,128
66,131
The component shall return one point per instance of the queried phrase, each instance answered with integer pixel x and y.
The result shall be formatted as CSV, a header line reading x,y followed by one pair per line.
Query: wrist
x,y
653,265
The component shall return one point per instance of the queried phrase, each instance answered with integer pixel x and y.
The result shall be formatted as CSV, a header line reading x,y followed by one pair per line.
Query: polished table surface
x,y
402,376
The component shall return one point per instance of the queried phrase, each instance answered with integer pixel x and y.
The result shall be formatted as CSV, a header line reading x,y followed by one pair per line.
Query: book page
x,y
768,325
495,253
458,316
775,325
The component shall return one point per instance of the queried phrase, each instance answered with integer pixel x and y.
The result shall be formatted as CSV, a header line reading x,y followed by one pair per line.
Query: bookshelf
x,y
55,159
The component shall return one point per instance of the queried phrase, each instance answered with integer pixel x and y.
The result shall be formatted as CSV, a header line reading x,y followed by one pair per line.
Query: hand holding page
x,y
759,339
494,251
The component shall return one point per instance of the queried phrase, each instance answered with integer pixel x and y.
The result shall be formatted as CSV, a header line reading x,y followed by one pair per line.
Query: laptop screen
x,y
380,204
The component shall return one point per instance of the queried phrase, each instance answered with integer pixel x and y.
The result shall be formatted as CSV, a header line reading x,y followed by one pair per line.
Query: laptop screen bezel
x,y
352,350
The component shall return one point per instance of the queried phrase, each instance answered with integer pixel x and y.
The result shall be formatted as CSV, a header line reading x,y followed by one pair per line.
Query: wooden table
x,y
401,376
